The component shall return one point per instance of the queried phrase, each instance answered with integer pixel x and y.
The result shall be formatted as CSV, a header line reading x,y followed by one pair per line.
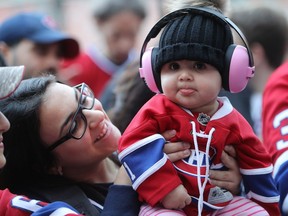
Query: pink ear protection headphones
x,y
239,65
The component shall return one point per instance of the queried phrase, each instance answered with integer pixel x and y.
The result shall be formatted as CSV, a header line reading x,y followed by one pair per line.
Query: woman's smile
x,y
103,132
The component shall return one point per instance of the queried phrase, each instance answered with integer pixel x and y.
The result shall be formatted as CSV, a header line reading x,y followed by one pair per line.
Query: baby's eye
x,y
199,66
174,66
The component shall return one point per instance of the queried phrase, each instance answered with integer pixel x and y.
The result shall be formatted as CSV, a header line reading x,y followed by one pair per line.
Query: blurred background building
x,y
75,16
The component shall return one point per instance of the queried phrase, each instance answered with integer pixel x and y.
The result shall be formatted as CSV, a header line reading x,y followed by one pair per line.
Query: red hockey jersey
x,y
154,176
13,205
93,68
275,129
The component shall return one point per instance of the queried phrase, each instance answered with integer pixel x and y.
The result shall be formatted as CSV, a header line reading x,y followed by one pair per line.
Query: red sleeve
x,y
15,205
11,207
275,129
275,112
144,125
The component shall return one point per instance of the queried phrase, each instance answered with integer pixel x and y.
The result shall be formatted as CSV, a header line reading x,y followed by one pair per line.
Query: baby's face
x,y
191,84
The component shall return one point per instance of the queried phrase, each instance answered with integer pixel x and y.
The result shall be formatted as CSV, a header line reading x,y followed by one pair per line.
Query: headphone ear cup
x,y
146,69
237,70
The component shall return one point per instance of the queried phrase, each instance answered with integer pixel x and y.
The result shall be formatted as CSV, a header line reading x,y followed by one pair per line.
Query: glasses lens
x,y
87,97
86,101
78,126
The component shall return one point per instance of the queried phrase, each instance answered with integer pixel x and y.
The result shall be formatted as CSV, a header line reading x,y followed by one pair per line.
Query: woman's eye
x,y
174,66
78,125
74,126
83,99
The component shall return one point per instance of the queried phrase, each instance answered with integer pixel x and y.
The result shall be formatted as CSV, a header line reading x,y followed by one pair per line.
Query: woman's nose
x,y
4,123
94,117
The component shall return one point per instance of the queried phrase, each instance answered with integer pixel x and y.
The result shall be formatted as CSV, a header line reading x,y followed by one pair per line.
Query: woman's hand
x,y
230,179
175,150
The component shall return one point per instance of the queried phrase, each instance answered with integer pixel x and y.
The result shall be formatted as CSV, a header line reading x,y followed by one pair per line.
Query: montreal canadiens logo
x,y
189,165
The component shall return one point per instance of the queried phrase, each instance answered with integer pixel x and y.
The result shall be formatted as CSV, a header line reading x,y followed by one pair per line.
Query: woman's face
x,y
57,110
4,126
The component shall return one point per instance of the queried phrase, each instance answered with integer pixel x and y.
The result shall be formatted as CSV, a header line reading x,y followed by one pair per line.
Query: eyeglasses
x,y
79,122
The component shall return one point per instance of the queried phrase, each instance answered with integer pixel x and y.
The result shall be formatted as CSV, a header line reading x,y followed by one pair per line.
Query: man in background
x,y
33,40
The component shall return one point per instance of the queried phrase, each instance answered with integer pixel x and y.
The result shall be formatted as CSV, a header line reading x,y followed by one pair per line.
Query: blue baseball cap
x,y
38,28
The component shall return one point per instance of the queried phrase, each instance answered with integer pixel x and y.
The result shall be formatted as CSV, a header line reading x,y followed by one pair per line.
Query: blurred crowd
x,y
84,55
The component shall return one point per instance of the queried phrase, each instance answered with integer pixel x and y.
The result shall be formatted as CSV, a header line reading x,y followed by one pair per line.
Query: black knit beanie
x,y
197,37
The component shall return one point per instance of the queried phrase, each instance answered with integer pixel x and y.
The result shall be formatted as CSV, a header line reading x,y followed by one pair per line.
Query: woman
x,y
12,204
61,147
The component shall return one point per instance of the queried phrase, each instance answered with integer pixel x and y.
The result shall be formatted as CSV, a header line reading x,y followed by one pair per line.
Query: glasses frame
x,y
79,109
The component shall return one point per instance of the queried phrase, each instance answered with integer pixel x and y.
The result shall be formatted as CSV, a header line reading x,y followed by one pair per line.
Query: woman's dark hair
x,y
27,159
131,94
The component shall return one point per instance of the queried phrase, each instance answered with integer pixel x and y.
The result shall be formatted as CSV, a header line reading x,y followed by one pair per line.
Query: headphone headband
x,y
182,12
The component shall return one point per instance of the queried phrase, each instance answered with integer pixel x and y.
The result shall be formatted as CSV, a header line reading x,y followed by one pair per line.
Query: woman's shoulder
x,y
56,188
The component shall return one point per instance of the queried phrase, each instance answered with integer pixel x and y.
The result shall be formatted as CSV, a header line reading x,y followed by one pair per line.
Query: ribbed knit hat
x,y
197,37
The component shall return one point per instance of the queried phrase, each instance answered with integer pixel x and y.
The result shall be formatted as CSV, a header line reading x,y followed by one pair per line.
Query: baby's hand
x,y
177,198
